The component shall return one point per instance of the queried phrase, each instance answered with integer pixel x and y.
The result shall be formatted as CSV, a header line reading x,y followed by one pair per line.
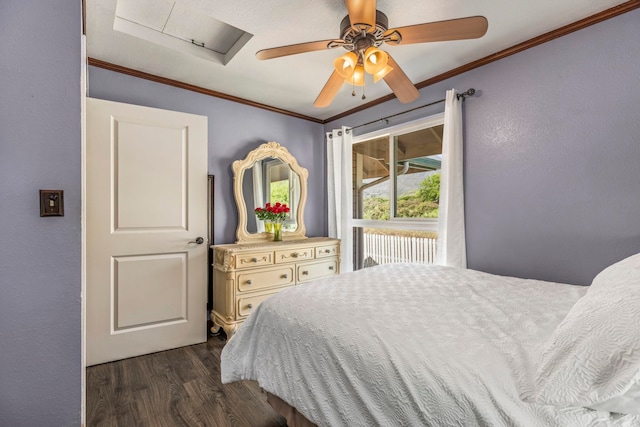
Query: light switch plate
x,y
51,203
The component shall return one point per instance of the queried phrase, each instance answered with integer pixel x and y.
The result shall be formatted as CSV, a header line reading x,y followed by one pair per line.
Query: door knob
x,y
199,241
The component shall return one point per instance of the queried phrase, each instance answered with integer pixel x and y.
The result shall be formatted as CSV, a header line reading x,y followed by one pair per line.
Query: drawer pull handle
x,y
331,267
327,251
249,305
294,255
284,276
305,272
254,259
248,282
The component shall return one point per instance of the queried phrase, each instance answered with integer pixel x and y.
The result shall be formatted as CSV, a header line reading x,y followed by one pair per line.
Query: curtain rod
x,y
463,95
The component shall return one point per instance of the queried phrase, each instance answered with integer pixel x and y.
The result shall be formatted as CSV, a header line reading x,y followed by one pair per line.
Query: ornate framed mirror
x,y
269,174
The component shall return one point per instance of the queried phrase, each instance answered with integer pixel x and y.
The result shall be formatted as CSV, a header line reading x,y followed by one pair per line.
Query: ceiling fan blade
x,y
455,29
294,49
400,84
329,91
362,12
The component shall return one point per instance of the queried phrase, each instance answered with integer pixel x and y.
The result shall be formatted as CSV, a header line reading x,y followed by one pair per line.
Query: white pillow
x,y
593,356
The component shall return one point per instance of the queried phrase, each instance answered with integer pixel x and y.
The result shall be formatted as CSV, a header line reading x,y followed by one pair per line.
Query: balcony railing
x,y
389,249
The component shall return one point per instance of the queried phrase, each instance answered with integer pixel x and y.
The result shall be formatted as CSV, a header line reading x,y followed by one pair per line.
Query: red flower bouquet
x,y
274,213
273,216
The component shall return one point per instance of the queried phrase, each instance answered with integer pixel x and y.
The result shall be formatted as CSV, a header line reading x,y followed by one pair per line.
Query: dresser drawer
x,y
248,304
326,251
316,270
296,254
254,260
265,278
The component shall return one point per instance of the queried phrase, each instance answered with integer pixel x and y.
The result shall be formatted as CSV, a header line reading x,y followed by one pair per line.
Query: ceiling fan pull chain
x,y
363,85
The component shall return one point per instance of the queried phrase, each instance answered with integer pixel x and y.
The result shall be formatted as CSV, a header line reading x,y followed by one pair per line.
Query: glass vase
x,y
268,226
277,231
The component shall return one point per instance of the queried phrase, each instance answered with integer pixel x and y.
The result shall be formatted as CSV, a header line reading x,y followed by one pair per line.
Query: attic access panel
x,y
175,26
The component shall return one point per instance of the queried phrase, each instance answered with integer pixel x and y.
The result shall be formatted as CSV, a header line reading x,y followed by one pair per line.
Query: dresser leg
x,y
215,329
230,330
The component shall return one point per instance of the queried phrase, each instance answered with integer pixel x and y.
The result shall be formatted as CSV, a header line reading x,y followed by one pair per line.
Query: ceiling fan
x,y
362,31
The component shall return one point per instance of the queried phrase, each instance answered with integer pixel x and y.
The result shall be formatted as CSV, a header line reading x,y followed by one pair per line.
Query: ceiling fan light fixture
x,y
357,79
375,60
362,32
380,74
345,65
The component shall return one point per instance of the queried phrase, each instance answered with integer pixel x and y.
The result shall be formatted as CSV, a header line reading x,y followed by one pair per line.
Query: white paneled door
x,y
146,228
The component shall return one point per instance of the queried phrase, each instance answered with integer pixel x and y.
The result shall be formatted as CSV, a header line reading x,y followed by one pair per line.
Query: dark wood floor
x,y
178,387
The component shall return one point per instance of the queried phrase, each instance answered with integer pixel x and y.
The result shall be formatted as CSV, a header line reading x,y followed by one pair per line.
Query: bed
x,y
417,345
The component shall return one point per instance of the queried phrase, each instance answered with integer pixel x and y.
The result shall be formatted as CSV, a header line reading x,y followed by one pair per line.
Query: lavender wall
x,y
552,154
552,166
40,284
234,130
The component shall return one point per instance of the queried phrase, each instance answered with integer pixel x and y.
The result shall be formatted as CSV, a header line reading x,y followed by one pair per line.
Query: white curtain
x,y
294,198
452,249
258,194
339,193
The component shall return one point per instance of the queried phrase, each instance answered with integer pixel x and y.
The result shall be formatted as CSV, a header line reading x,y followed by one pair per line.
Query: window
x,y
278,179
396,187
284,187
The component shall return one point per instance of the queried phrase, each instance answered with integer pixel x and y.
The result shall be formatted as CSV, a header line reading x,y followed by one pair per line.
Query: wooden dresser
x,y
246,274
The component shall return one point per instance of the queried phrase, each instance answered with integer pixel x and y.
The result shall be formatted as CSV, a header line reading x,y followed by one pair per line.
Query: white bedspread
x,y
409,345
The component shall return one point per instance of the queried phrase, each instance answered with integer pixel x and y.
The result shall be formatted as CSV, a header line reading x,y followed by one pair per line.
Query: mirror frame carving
x,y
264,151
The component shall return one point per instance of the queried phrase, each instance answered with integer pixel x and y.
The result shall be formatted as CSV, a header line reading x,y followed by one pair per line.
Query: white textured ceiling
x,y
292,83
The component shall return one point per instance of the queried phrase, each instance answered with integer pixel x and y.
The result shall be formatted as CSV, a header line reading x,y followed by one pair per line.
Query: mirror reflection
x,y
270,181
269,174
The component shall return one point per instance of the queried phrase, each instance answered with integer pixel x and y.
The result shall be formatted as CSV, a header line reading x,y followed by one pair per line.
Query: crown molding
x,y
520,47
164,80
